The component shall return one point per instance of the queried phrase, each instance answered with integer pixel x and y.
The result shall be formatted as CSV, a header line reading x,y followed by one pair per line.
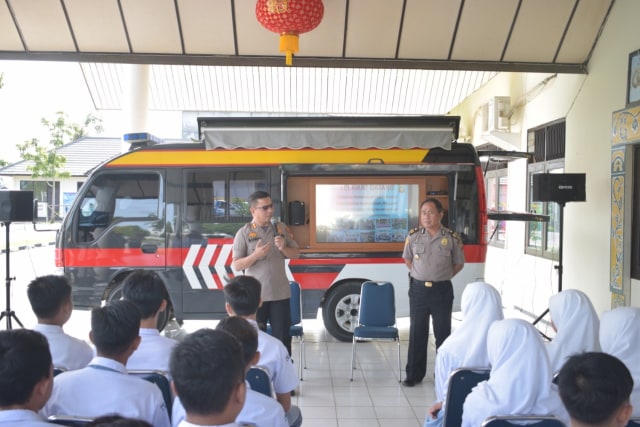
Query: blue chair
x,y
377,318
296,329
260,380
461,381
69,420
159,378
518,420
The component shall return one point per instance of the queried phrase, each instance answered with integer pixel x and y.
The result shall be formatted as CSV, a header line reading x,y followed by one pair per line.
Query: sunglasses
x,y
265,207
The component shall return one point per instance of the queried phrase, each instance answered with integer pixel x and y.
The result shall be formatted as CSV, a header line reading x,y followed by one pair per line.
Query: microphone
x,y
275,227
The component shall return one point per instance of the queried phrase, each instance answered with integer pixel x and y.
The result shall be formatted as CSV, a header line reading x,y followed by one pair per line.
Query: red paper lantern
x,y
289,18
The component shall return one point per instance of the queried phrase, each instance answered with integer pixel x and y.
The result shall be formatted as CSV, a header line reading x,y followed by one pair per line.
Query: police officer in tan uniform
x,y
433,254
259,249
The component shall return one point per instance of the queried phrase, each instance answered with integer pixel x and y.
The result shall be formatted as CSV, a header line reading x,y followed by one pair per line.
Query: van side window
x,y
112,199
216,201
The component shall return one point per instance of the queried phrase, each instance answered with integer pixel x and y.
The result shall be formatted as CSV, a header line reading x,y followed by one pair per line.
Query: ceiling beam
x,y
275,61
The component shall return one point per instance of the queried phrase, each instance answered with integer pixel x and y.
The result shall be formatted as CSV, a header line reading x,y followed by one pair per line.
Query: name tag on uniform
x,y
428,284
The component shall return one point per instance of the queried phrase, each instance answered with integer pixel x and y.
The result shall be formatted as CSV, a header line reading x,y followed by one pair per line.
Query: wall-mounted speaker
x,y
558,187
16,206
296,213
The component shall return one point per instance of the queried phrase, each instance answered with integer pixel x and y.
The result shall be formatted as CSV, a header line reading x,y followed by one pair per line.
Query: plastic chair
x,y
296,329
634,422
69,420
377,318
516,420
260,380
461,381
159,378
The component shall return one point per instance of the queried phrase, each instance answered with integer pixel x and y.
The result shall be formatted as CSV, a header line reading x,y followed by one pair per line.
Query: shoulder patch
x,y
414,230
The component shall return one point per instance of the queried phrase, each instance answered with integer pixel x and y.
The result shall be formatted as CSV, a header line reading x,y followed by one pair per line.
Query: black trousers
x,y
435,301
278,314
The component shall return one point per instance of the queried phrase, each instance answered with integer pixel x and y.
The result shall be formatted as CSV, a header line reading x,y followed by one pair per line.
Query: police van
x,y
348,189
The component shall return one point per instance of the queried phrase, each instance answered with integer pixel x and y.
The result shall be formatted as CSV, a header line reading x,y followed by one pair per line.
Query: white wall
x,y
587,103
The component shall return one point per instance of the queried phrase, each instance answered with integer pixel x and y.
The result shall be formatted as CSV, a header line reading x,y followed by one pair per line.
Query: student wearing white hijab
x,y
620,337
576,324
466,347
520,381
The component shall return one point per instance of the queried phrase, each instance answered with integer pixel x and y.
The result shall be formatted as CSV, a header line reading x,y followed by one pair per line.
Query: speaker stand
x,y
559,266
8,313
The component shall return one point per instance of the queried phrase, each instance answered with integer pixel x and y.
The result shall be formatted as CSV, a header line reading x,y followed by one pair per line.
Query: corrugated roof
x,y
82,156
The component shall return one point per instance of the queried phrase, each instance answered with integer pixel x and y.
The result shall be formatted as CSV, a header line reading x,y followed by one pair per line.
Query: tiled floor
x,y
375,397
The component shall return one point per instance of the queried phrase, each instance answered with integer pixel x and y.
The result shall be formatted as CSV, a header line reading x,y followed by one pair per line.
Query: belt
x,y
430,283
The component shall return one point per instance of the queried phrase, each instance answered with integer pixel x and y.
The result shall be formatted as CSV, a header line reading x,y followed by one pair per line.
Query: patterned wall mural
x,y
625,131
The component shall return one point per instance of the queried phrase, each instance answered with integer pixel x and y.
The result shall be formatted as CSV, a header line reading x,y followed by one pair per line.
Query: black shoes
x,y
410,383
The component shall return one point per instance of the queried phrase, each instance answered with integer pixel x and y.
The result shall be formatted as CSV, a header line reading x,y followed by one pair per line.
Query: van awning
x,y
319,133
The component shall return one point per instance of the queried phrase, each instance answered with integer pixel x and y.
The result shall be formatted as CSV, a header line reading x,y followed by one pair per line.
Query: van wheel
x,y
163,318
340,310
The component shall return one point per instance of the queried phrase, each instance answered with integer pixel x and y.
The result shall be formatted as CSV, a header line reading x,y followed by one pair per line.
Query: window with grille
x,y
547,143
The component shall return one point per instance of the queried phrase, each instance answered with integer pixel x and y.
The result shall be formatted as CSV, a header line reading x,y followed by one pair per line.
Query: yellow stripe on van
x,y
266,157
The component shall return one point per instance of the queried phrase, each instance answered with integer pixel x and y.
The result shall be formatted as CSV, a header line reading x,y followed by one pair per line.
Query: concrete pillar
x,y
135,100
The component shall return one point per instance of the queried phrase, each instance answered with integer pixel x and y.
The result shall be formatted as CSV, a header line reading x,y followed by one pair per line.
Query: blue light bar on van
x,y
141,139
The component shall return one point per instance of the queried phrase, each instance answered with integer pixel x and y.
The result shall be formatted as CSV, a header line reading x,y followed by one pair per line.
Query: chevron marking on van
x,y
187,267
223,258
204,266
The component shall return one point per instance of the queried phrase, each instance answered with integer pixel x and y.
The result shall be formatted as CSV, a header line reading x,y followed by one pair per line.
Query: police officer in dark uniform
x,y
433,254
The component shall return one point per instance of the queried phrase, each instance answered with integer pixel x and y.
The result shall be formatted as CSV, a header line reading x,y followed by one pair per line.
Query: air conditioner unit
x,y
496,113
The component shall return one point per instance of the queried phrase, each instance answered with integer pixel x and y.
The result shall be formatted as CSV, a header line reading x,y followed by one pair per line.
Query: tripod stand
x,y
8,313
559,266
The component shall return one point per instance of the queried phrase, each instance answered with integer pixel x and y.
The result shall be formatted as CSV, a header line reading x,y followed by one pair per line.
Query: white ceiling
x,y
364,52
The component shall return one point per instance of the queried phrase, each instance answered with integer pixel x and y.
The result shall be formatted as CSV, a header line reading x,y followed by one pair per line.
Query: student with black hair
x,y
595,388
259,409
104,387
26,378
117,421
146,290
242,295
50,299
208,377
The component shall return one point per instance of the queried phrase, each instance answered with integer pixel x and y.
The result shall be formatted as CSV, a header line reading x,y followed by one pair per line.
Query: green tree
x,y
47,163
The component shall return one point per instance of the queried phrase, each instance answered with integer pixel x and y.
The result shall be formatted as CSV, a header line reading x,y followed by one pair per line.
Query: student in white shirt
x,y
104,387
242,294
50,299
576,323
620,337
595,388
259,410
209,378
466,347
520,380
26,378
145,289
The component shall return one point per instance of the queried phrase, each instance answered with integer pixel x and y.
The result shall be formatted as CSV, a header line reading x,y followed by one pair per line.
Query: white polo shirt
x,y
275,357
258,410
105,388
22,418
67,352
188,424
153,352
